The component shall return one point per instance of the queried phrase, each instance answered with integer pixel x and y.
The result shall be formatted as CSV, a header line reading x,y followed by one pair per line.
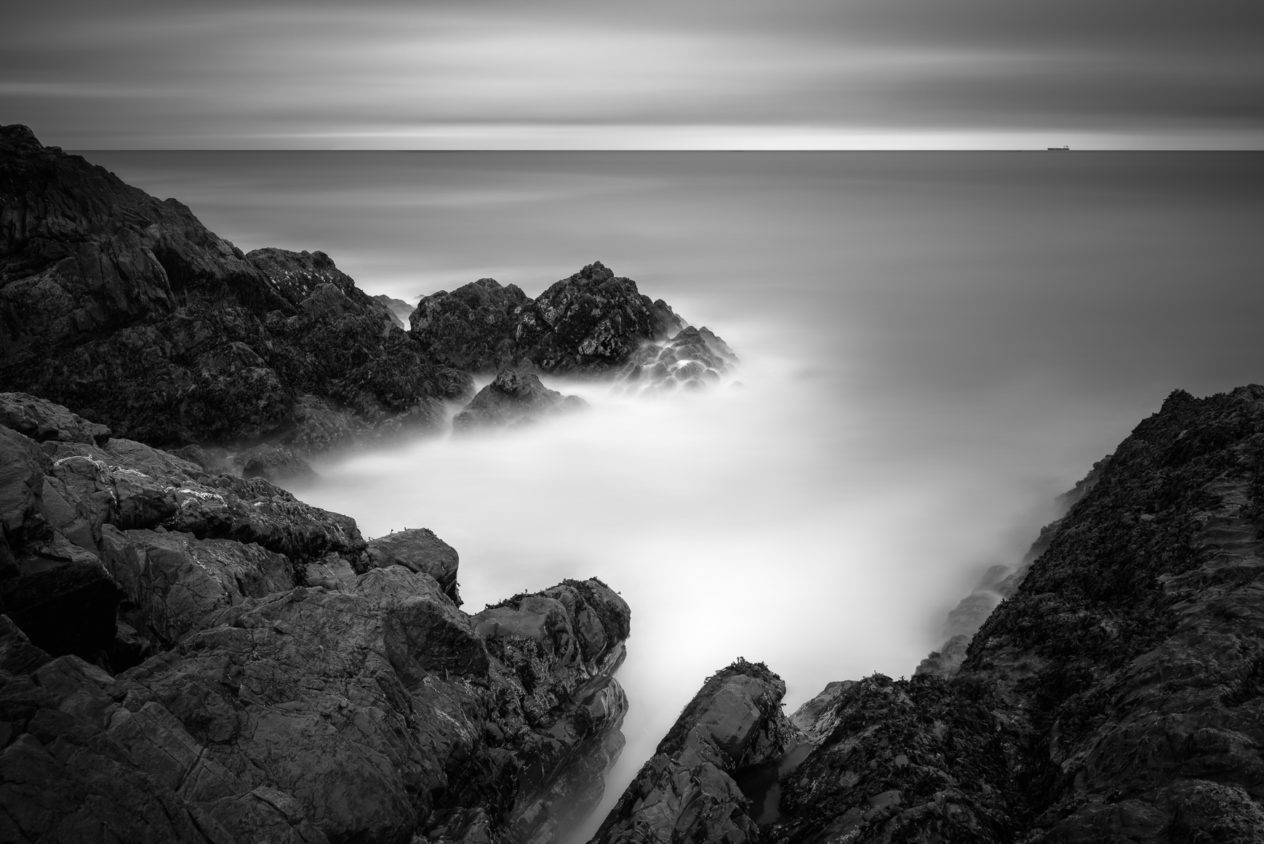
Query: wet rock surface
x,y
1115,694
187,656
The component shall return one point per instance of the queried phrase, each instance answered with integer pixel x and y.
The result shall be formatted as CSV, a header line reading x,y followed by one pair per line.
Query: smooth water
x,y
934,345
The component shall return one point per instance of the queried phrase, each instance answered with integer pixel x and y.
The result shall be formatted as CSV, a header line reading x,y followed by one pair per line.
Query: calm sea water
x,y
934,346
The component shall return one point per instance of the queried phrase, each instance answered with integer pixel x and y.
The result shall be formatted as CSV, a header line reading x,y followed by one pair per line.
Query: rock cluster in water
x,y
1114,695
127,310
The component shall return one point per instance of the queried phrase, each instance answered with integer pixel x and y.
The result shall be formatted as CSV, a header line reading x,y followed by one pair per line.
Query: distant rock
x,y
514,397
399,310
591,323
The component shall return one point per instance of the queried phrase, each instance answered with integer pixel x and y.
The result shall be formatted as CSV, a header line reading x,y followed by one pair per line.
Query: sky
x,y
709,74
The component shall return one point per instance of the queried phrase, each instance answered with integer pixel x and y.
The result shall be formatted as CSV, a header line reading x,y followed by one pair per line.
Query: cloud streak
x,y
507,76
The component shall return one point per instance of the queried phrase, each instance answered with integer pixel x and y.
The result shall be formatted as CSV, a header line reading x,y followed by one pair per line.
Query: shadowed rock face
x,y
1115,695
276,677
128,310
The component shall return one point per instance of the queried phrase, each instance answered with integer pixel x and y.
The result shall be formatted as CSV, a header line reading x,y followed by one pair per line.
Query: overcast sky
x,y
652,74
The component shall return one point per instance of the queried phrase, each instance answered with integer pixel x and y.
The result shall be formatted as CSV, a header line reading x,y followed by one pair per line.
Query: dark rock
x,y
128,310
399,310
349,708
474,327
419,550
590,323
514,397
42,420
688,791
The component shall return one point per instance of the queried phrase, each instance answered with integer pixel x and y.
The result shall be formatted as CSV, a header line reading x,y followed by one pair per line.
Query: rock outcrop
x,y
691,790
129,311
691,359
513,398
187,656
591,323
1116,694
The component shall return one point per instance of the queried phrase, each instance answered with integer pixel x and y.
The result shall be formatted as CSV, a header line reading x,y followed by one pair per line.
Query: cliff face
x,y
195,657
1114,696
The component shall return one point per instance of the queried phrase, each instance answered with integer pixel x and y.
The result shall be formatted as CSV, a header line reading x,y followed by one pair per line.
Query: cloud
x,y
458,74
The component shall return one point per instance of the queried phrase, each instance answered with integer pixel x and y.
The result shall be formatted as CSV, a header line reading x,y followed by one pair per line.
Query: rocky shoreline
x,y
189,653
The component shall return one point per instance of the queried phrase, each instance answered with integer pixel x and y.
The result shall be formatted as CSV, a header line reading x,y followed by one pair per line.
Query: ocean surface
x,y
934,345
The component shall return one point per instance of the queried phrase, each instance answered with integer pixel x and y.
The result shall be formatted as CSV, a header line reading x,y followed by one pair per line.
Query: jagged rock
x,y
688,791
474,327
514,397
590,323
417,549
352,707
129,311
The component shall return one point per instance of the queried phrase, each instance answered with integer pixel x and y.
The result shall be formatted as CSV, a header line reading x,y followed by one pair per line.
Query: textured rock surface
x,y
129,311
1115,695
514,397
276,678
691,359
593,322
689,790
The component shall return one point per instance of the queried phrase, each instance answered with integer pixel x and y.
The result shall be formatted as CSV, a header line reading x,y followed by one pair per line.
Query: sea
x,y
933,346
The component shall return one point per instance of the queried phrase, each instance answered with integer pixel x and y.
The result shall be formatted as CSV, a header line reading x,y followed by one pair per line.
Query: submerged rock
x,y
514,397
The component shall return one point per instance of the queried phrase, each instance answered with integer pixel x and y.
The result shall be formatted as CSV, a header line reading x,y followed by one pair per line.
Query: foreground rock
x,y
187,656
513,398
691,789
1115,695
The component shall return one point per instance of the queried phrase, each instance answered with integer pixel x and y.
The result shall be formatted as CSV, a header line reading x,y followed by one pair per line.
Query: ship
x,y
1063,148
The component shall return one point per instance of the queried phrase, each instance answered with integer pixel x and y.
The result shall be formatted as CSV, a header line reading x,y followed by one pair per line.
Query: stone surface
x,y
689,790
419,550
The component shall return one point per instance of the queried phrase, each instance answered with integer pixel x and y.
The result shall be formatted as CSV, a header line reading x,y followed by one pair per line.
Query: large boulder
x,y
419,550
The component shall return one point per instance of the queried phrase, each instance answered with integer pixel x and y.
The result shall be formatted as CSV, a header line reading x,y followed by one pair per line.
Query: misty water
x,y
934,345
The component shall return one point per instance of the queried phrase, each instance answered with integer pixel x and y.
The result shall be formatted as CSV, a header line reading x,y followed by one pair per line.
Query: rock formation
x,y
590,323
1115,695
129,311
187,656
514,397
